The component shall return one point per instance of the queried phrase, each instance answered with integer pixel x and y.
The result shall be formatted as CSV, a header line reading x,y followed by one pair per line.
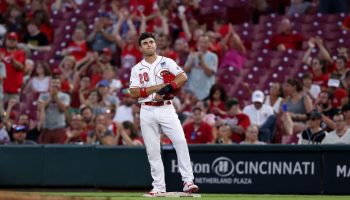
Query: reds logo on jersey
x,y
165,75
161,73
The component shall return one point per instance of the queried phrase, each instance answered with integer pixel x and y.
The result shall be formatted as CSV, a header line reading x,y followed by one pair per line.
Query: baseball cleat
x,y
190,187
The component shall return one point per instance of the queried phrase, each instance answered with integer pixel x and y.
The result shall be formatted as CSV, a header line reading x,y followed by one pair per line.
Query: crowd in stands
x,y
260,71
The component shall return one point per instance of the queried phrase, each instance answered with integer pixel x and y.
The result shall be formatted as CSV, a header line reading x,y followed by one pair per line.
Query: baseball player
x,y
154,81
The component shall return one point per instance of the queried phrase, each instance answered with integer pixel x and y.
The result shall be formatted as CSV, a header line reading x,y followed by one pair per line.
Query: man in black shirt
x,y
35,39
314,133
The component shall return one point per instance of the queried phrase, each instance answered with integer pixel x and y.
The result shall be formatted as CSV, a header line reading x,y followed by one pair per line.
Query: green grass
x,y
138,196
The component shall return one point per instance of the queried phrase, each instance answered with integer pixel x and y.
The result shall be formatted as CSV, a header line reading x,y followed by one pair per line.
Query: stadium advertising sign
x,y
336,172
251,172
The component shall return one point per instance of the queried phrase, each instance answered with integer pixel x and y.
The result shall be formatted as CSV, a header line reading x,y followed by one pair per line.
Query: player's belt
x,y
157,103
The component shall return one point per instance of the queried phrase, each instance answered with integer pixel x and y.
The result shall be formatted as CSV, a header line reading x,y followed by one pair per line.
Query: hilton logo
x,y
222,166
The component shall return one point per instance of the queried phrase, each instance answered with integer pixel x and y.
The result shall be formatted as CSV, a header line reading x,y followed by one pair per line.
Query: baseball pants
x,y
157,119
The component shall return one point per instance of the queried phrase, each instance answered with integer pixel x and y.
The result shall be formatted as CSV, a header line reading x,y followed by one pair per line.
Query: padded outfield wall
x,y
274,169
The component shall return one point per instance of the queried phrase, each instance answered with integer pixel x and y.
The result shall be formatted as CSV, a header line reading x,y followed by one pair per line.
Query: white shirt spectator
x,y
41,85
315,91
124,113
256,116
276,106
333,138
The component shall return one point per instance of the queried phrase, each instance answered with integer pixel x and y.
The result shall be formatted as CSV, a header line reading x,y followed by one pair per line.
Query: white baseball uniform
x,y
155,119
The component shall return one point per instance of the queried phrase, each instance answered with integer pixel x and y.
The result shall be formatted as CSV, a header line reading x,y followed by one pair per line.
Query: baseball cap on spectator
x,y
12,35
19,128
314,114
103,83
107,51
258,96
224,30
232,102
339,94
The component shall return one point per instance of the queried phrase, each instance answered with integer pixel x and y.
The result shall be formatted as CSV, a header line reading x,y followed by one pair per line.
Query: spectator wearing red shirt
x,y
198,132
217,100
75,132
182,49
78,47
41,17
163,43
319,75
237,120
130,54
148,7
130,131
346,23
14,59
323,57
344,51
285,39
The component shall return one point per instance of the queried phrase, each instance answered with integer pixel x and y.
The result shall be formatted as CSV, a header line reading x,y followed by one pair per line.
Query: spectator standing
x,y
78,47
234,51
40,82
101,35
182,49
35,39
14,59
52,108
130,53
201,67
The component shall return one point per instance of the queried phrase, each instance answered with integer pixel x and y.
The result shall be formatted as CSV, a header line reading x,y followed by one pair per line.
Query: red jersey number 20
x,y
144,77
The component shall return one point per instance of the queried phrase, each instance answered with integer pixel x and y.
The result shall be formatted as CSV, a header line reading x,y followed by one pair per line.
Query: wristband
x,y
173,84
143,92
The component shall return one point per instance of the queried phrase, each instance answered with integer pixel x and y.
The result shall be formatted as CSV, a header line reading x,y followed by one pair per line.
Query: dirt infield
x,y
9,195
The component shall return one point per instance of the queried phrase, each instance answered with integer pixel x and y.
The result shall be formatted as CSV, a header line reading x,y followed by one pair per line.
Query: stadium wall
x,y
270,169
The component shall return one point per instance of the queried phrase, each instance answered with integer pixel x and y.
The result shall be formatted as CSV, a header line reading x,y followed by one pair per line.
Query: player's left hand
x,y
159,97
